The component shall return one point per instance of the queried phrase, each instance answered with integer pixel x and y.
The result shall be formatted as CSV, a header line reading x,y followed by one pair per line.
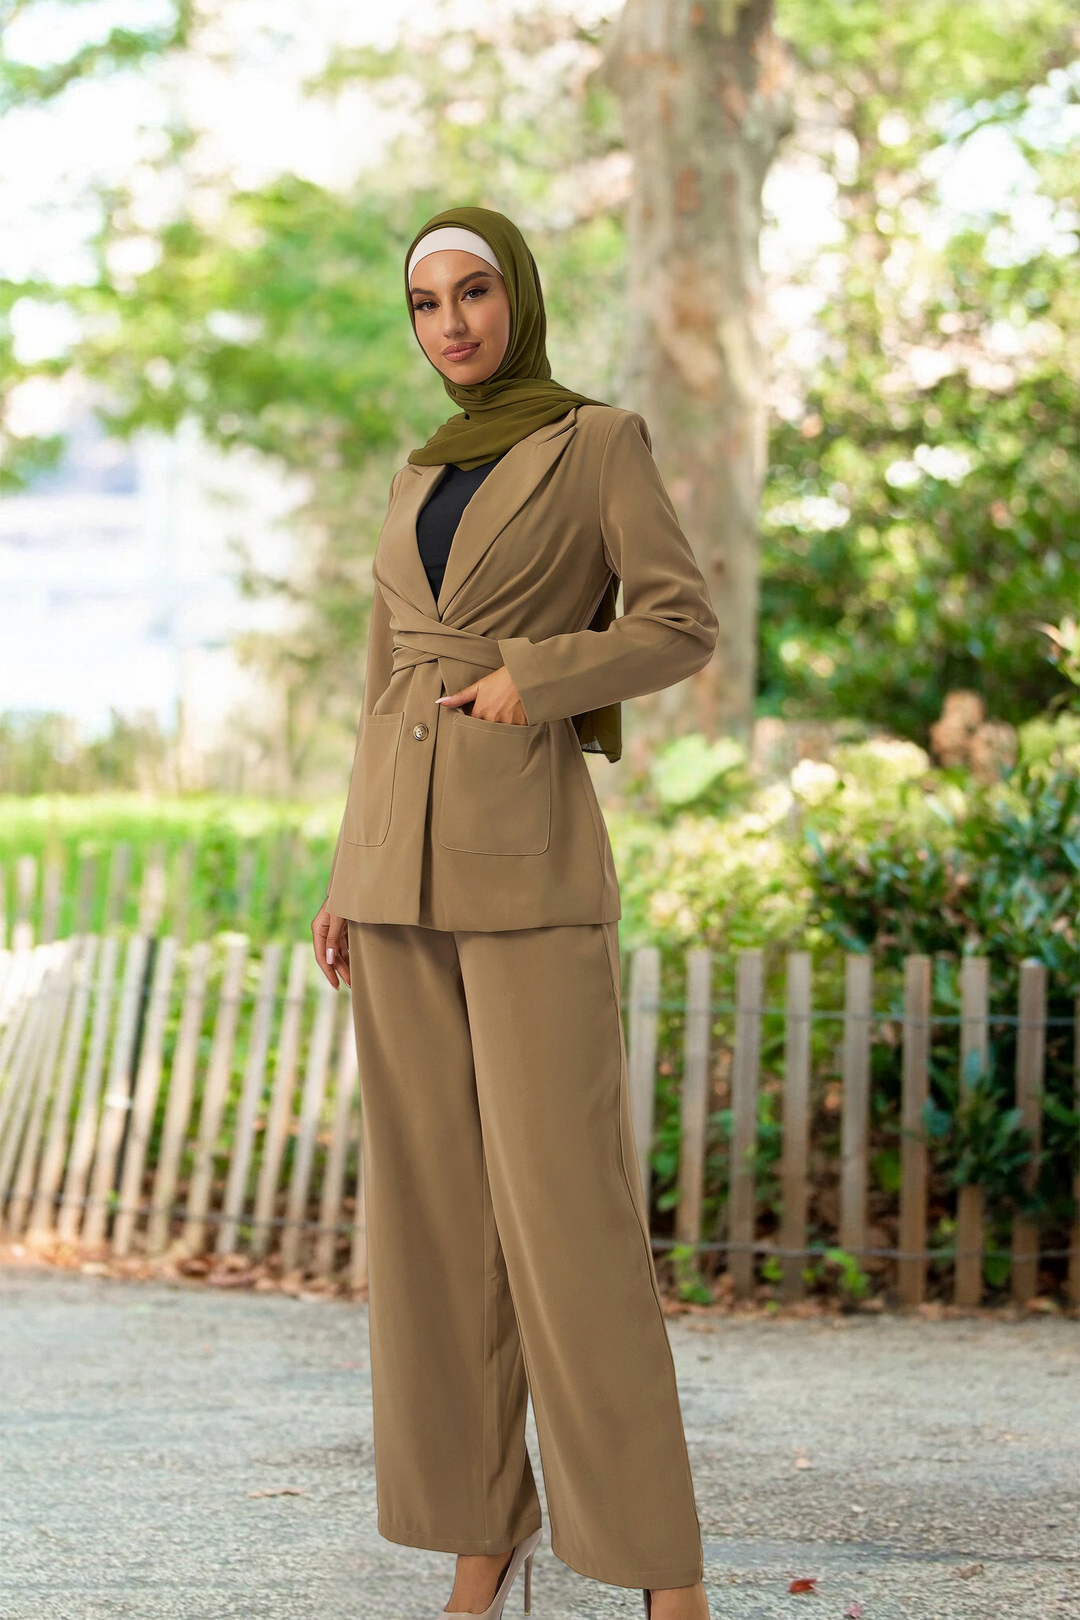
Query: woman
x,y
508,1244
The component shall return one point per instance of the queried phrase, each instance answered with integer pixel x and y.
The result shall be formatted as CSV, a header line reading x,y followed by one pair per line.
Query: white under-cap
x,y
451,236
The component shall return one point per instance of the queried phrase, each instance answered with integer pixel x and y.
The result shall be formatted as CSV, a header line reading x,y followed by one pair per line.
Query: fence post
x,y
855,1117
152,892
117,890
1074,1257
19,1092
795,1145
44,1213
72,1209
695,1095
322,1036
24,974
118,1092
644,1023
144,1098
281,1099
7,968
116,893
974,1045
52,882
915,1083
182,881
262,1018
215,1091
1030,1067
42,1074
181,1095
334,1173
744,1101
85,894
25,893
245,883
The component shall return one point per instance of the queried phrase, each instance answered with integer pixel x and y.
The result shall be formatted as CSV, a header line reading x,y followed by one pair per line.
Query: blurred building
x,y
119,588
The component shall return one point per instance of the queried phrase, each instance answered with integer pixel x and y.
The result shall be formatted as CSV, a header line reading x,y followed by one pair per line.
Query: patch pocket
x,y
371,788
496,792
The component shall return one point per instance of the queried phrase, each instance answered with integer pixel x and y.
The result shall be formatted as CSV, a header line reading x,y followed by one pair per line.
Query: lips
x,y
460,351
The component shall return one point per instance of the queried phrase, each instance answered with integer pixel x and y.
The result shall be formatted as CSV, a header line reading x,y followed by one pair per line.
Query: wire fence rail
x,y
202,1101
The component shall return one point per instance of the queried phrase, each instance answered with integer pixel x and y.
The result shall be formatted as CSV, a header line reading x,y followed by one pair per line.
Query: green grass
x,y
250,864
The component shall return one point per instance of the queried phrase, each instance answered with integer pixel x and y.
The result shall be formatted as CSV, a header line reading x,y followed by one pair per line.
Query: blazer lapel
x,y
397,560
502,494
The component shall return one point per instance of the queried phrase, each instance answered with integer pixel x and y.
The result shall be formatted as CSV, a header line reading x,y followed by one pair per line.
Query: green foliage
x,y
280,327
877,851
42,752
920,509
689,1283
993,869
255,866
977,1143
933,52
851,1279
277,321
919,504
23,84
690,773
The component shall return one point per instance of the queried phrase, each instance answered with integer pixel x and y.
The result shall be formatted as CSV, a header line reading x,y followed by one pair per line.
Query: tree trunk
x,y
704,95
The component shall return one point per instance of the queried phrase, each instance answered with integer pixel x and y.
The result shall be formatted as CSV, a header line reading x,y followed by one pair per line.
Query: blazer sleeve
x,y
380,662
667,629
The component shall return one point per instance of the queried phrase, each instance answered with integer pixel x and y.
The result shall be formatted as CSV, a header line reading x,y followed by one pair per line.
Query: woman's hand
x,y
493,697
330,935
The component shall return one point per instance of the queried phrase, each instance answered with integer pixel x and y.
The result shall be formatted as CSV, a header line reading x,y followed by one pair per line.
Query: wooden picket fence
x,y
151,890
156,1100
84,1078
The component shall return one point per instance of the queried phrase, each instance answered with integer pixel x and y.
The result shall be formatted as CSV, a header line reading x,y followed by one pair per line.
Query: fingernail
x,y
330,954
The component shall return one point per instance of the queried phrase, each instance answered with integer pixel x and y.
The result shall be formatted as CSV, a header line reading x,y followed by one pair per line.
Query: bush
x,y
877,851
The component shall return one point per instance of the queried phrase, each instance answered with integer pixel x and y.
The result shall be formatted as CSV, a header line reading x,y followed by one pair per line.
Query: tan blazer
x,y
461,823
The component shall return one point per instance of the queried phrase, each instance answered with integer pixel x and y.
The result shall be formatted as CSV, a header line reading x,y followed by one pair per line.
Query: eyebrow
x,y
460,283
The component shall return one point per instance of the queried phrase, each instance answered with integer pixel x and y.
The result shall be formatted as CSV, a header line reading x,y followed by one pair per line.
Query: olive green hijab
x,y
519,396
514,401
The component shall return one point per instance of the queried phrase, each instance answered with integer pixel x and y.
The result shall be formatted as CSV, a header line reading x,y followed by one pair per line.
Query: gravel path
x,y
179,1453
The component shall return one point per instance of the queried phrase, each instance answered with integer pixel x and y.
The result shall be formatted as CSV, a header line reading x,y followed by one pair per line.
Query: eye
x,y
425,303
478,290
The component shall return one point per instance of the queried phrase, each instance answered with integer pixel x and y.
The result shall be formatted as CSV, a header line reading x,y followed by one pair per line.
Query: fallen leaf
x,y
804,1583
284,1490
194,1265
231,1279
966,1571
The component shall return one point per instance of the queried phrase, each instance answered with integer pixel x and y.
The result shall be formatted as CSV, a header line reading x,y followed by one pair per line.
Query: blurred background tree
x,y
920,516
828,249
920,487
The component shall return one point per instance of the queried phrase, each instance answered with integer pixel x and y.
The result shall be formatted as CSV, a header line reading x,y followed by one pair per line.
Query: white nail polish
x,y
330,954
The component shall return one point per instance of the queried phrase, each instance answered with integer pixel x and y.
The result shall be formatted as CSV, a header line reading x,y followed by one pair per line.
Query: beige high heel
x,y
522,1554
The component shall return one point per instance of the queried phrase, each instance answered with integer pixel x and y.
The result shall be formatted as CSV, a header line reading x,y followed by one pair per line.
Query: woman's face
x,y
462,314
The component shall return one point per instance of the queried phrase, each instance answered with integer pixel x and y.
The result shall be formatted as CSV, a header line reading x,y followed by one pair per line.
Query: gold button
x,y
419,732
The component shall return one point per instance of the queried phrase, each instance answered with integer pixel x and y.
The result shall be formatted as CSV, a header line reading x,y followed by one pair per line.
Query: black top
x,y
440,514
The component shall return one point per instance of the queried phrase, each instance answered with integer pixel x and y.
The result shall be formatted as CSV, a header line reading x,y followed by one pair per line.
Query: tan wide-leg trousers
x,y
508,1253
